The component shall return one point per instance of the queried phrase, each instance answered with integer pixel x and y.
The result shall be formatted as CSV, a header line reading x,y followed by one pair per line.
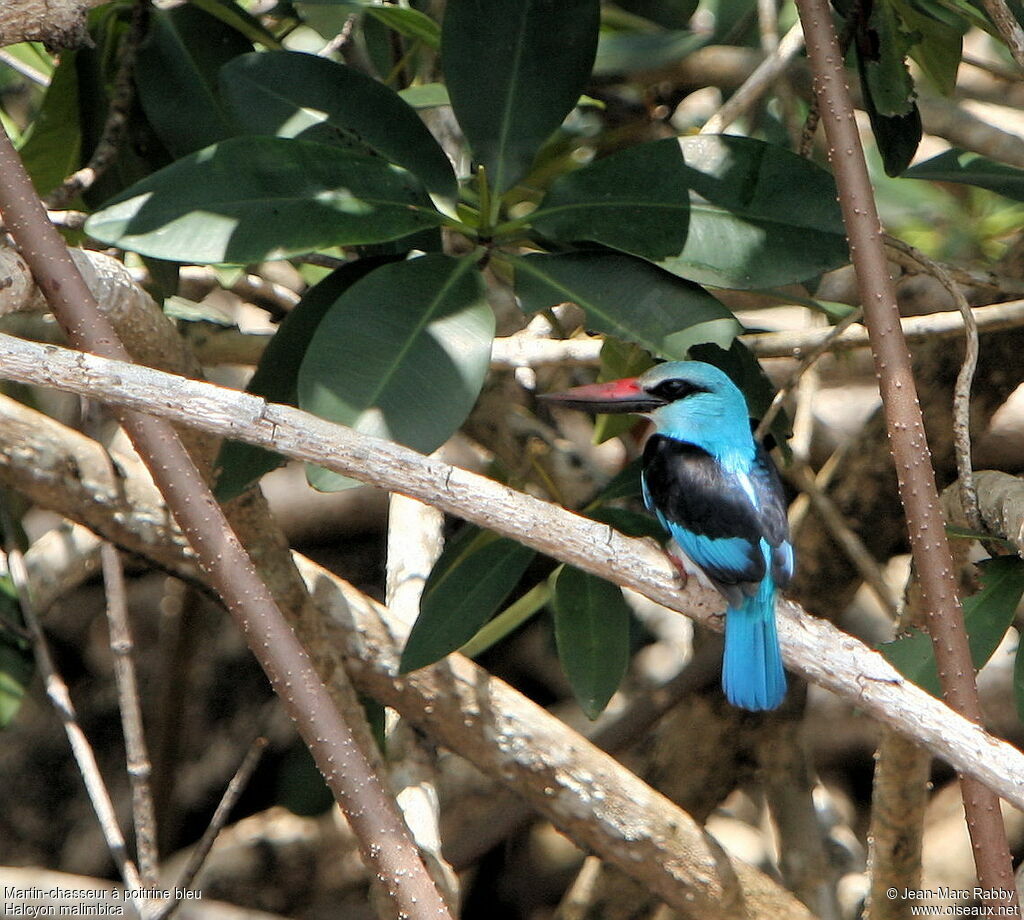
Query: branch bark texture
x,y
384,839
909,446
816,649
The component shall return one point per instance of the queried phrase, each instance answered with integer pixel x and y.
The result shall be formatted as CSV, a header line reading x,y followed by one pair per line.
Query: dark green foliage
x,y
252,198
402,354
473,577
592,632
987,616
964,167
287,94
515,69
240,465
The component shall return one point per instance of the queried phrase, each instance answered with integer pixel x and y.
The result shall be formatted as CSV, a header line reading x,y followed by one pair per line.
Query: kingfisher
x,y
718,494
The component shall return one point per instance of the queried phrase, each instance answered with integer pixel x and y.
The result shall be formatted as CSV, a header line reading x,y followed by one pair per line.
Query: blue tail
x,y
752,674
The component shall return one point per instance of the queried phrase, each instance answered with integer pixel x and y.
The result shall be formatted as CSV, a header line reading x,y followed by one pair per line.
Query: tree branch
x,y
383,838
814,648
909,445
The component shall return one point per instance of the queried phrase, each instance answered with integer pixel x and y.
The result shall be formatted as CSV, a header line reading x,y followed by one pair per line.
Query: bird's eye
x,y
672,390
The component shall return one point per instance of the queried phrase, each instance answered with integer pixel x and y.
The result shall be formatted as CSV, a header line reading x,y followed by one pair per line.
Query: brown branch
x,y
915,475
964,380
227,802
759,82
55,23
899,797
485,721
136,753
812,647
384,840
59,695
1008,27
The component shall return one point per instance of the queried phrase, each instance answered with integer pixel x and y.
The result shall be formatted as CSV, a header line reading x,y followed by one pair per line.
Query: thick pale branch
x,y
814,648
457,704
133,311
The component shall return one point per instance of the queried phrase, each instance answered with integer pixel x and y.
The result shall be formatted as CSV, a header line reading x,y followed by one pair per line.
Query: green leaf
x,y
253,198
508,621
761,216
625,297
402,354
426,95
52,147
884,54
897,136
968,168
728,211
631,523
404,20
17,662
1018,680
470,581
514,70
987,616
176,75
240,465
898,133
636,200
669,14
939,45
289,94
592,634
408,22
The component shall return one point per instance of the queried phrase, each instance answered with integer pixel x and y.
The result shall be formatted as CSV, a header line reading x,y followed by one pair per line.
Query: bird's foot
x,y
680,567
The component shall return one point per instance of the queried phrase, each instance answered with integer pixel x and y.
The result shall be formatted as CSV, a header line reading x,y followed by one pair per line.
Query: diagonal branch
x,y
383,837
812,647
907,439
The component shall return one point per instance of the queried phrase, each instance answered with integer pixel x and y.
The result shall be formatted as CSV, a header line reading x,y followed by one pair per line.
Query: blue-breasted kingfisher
x,y
718,494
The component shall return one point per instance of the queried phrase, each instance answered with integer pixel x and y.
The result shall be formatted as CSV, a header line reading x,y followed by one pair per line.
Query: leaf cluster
x,y
242,148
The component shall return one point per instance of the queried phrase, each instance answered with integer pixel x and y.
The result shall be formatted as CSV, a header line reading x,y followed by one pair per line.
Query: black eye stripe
x,y
672,390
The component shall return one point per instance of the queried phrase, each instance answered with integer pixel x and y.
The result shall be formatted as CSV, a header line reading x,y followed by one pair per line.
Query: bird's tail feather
x,y
752,673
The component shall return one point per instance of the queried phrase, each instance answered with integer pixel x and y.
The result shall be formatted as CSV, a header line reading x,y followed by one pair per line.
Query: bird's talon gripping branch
x,y
716,491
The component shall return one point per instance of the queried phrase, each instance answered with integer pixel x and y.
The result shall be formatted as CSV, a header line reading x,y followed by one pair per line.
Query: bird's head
x,y
690,400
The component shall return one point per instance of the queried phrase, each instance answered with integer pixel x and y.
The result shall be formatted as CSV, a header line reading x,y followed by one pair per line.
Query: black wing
x,y
714,517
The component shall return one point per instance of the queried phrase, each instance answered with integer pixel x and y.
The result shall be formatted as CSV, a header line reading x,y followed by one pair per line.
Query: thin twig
x,y
137,759
60,697
915,475
1008,27
201,850
995,317
136,753
118,111
832,519
814,648
807,360
964,379
26,70
766,73
578,900
383,838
